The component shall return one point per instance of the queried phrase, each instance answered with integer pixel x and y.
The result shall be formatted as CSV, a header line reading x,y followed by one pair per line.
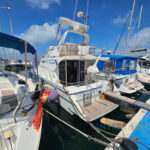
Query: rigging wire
x,y
75,9
132,29
136,46
129,28
87,11
121,34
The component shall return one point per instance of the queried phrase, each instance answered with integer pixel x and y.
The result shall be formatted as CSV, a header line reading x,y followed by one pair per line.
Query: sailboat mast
x,y
12,34
136,46
129,28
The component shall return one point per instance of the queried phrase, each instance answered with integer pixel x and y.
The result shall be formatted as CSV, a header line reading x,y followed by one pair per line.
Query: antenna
x,y
80,15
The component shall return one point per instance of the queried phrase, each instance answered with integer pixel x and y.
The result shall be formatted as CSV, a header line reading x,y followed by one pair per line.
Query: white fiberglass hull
x,y
20,135
144,78
24,136
128,84
71,99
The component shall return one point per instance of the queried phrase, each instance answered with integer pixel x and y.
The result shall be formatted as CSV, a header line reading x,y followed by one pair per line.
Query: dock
x,y
122,99
137,127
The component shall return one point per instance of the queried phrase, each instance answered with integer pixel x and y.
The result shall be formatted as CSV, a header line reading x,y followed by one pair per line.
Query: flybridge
x,y
76,25
78,28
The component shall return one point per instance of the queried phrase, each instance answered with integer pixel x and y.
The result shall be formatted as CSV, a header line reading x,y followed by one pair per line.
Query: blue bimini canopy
x,y
9,41
124,65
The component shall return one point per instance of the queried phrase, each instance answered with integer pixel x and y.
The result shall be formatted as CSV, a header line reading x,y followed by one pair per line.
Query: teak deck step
x,y
98,109
9,97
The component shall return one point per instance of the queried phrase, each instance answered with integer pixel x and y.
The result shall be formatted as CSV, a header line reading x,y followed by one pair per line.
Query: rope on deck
x,y
77,130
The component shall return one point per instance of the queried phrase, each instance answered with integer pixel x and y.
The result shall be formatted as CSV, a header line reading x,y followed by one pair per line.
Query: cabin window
x,y
109,66
124,65
71,72
132,65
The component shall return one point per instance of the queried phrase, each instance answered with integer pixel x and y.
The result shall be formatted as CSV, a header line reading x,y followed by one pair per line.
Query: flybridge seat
x,y
73,49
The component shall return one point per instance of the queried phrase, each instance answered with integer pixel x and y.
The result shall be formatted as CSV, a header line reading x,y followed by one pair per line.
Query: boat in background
x,y
19,134
144,70
64,68
143,67
18,112
122,71
17,64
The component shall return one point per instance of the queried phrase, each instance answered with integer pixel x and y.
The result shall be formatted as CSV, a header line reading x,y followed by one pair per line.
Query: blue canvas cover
x,y
119,64
9,41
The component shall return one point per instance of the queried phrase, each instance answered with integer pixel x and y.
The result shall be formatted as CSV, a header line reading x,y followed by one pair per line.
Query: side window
x,y
109,66
124,65
132,65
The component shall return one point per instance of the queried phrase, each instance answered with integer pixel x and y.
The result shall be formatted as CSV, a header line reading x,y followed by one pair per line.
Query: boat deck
x,y
9,97
98,109
7,93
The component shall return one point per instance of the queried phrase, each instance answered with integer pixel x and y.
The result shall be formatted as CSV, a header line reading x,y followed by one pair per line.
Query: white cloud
x,y
120,20
143,39
43,4
40,34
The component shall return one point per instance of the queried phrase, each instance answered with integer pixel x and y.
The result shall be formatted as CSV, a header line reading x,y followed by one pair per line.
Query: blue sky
x,y
36,21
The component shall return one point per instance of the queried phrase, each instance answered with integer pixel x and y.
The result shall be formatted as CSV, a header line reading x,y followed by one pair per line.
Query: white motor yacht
x,y
64,68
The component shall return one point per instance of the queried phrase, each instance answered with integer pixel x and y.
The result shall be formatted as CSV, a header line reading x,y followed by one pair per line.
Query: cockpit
x,y
72,72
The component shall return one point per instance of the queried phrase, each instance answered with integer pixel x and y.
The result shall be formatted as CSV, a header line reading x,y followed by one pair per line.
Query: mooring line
x,y
79,131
